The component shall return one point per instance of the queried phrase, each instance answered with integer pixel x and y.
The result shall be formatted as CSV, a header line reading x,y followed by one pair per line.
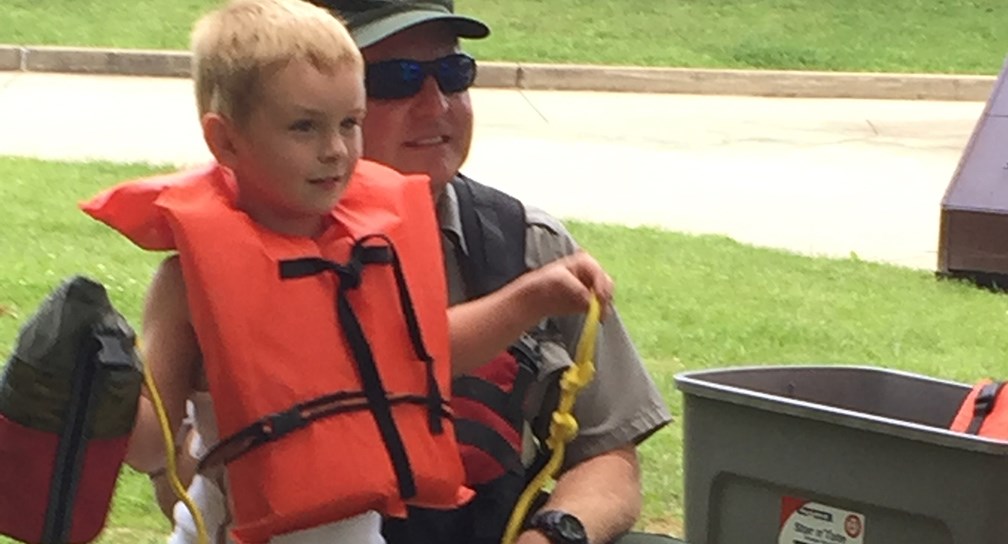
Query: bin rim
x,y
692,383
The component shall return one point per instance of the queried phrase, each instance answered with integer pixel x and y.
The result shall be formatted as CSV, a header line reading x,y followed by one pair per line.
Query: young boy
x,y
327,418
305,398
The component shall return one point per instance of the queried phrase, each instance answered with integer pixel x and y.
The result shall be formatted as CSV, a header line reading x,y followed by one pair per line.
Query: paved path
x,y
817,176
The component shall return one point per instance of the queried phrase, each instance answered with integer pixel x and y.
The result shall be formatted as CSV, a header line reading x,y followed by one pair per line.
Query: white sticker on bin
x,y
806,522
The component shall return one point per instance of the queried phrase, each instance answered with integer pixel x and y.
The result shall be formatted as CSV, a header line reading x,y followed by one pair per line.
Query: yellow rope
x,y
172,470
563,426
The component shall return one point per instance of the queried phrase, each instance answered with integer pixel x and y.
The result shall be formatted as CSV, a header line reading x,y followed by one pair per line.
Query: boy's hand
x,y
565,286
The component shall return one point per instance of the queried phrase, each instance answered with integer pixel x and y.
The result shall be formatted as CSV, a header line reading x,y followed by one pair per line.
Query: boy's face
x,y
295,152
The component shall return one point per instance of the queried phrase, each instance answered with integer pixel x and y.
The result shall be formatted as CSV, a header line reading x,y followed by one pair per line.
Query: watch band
x,y
559,527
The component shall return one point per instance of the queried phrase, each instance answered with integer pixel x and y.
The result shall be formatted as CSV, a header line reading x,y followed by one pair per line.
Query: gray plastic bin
x,y
866,447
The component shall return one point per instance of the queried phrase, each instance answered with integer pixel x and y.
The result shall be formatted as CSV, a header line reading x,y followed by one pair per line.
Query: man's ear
x,y
220,135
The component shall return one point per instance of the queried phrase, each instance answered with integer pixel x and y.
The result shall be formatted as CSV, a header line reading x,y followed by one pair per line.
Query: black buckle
x,y
283,423
350,273
528,352
984,402
112,350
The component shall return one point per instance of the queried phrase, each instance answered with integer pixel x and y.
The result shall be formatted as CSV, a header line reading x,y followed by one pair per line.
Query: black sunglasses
x,y
403,78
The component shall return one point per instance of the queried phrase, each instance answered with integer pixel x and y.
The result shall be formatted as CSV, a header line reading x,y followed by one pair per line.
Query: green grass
x,y
947,36
690,302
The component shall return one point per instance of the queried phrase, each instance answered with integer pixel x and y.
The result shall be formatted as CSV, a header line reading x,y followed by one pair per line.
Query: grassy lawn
x,y
953,36
690,302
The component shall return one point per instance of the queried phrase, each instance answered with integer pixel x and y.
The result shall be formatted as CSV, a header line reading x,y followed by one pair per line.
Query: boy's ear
x,y
220,135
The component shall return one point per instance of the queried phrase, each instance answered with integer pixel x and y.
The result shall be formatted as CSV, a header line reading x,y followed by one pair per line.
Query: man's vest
x,y
326,358
488,403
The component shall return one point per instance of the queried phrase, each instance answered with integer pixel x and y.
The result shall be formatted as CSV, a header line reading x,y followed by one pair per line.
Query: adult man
x,y
420,120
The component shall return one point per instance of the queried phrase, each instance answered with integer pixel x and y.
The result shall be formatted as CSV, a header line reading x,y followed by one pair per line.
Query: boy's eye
x,y
350,122
303,125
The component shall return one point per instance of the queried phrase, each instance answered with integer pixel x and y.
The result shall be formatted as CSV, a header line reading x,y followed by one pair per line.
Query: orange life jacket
x,y
332,354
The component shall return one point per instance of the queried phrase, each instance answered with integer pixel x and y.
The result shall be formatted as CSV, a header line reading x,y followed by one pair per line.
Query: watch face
x,y
560,527
570,528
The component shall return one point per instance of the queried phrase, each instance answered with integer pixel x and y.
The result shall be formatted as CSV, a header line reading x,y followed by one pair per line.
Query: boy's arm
x,y
481,329
172,354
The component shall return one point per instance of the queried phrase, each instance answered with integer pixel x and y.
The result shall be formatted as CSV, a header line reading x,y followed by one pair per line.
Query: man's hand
x,y
565,286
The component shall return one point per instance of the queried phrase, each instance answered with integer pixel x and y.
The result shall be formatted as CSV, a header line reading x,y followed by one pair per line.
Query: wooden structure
x,y
974,216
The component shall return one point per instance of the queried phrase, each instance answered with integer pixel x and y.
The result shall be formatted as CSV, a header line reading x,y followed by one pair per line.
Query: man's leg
x,y
647,538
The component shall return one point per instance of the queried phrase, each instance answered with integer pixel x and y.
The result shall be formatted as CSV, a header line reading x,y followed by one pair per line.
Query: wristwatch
x,y
559,527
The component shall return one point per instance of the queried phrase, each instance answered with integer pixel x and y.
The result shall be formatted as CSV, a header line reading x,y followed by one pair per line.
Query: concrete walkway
x,y
817,176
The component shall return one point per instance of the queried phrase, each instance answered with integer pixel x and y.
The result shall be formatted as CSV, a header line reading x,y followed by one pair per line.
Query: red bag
x,y
68,398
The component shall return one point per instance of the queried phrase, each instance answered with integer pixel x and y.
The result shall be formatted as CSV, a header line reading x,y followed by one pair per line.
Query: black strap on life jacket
x,y
983,405
492,400
374,396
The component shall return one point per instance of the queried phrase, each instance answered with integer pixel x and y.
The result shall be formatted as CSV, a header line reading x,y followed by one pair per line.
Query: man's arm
x,y
619,409
603,492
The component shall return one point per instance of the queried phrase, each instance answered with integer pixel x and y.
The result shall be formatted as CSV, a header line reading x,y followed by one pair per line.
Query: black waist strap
x,y
275,426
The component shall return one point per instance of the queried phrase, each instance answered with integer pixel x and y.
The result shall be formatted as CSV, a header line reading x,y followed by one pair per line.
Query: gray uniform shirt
x,y
621,405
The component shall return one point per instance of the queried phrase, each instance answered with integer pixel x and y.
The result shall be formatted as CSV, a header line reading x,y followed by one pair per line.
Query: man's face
x,y
429,132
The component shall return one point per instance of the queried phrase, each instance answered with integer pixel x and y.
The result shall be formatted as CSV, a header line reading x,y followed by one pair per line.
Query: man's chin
x,y
439,175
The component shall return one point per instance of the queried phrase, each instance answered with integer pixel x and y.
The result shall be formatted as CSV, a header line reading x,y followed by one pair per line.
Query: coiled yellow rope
x,y
563,427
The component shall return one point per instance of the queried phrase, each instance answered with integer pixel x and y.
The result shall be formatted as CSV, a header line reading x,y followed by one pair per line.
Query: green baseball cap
x,y
371,21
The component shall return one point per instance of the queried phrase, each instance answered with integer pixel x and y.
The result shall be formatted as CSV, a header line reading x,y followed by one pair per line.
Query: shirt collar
x,y
449,217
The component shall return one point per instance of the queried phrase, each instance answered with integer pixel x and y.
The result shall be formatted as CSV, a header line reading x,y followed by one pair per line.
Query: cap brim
x,y
465,27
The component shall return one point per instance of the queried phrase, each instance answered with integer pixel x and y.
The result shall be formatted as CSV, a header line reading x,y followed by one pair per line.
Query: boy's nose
x,y
333,149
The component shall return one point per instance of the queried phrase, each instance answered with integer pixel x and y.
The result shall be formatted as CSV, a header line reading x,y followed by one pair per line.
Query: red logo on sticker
x,y
852,526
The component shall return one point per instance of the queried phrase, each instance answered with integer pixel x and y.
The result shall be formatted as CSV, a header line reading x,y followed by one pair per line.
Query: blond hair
x,y
235,46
